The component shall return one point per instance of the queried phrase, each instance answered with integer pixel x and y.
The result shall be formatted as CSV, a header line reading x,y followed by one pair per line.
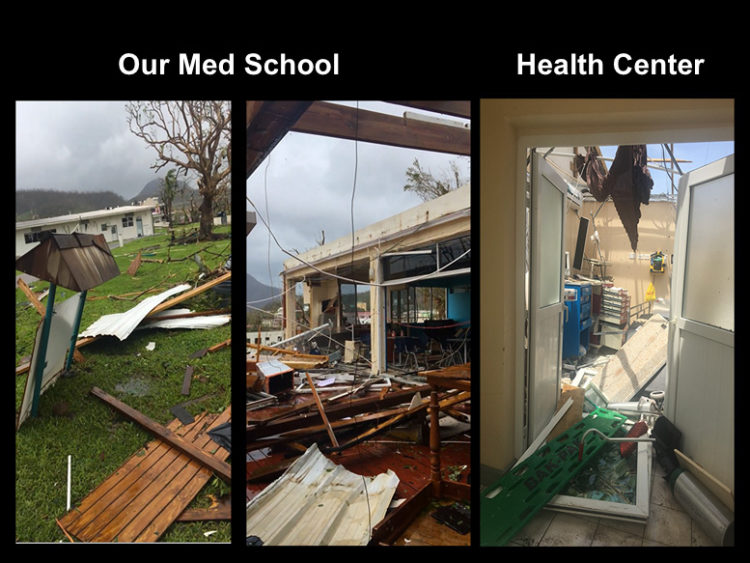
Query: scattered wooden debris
x,y
134,265
33,299
211,349
322,411
149,491
187,380
221,468
221,510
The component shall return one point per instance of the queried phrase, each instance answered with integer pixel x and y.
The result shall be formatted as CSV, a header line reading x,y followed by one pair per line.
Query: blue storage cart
x,y
576,328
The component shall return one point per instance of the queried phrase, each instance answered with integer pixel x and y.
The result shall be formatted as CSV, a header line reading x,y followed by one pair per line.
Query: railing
x,y
637,310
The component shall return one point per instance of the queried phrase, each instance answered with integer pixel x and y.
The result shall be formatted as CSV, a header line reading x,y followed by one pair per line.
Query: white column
x,y
377,317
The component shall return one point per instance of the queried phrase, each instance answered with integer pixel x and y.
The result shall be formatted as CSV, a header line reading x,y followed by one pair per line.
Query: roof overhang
x,y
267,122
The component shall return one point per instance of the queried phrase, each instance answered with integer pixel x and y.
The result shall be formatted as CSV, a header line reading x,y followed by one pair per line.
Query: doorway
x,y
657,361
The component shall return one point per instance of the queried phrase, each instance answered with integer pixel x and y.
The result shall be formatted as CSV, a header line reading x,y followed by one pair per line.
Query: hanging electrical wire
x,y
343,278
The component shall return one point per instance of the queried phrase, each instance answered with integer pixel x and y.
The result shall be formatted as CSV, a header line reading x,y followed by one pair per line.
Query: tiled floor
x,y
668,525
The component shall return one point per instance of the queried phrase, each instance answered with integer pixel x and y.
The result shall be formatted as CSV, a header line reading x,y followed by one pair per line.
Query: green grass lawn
x,y
73,422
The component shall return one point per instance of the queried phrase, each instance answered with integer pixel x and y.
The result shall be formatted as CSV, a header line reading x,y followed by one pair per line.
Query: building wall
x,y
94,226
508,126
629,270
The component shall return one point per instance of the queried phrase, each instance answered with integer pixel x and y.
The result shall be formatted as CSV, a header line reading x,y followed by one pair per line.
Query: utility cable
x,y
336,276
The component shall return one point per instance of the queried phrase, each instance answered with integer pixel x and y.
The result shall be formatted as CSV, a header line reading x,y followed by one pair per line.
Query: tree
x,y
168,192
195,137
426,186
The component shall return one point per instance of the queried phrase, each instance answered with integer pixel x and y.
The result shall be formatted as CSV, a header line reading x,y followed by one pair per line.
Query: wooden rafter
x,y
333,120
268,122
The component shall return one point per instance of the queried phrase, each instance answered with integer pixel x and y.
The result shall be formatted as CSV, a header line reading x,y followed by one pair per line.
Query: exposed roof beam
x,y
455,108
323,118
267,123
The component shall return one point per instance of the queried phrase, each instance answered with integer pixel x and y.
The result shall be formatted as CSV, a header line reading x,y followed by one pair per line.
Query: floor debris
x,y
509,503
337,506
639,359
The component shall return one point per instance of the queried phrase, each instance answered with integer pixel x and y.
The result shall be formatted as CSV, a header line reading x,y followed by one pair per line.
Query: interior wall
x,y
629,270
507,127
459,305
315,295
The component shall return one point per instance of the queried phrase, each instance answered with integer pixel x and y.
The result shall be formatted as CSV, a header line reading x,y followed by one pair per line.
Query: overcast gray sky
x,y
306,187
80,146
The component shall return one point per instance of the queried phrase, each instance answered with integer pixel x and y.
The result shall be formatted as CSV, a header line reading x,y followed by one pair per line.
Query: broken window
x,y
446,255
611,486
37,235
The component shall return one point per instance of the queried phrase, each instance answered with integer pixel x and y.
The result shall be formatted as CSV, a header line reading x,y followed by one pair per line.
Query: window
x,y
37,235
426,260
127,221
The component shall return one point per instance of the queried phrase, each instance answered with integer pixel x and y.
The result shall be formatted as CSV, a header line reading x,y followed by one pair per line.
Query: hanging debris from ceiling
x,y
628,182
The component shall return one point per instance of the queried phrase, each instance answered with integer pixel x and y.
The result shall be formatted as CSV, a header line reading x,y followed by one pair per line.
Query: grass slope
x,y
73,422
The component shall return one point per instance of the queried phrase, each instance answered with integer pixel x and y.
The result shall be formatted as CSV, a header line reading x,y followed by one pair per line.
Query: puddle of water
x,y
134,386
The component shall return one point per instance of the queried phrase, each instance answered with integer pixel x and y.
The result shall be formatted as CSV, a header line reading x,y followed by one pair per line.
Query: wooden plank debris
x,y
636,363
719,489
187,380
221,468
222,510
192,293
149,491
322,411
211,349
134,265
23,286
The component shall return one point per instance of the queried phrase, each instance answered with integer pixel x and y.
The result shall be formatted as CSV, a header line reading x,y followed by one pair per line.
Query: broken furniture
x,y
340,420
446,379
78,262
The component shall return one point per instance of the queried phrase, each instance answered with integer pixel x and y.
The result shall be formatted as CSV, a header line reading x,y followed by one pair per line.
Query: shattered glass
x,y
609,477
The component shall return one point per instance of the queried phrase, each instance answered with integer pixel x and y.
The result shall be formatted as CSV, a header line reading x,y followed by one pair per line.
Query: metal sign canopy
x,y
74,261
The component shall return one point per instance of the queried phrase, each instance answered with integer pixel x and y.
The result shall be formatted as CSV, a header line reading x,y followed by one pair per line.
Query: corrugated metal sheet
x,y
78,261
122,324
316,502
197,322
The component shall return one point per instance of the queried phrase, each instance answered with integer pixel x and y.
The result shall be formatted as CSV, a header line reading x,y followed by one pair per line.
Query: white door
x,y
546,306
700,368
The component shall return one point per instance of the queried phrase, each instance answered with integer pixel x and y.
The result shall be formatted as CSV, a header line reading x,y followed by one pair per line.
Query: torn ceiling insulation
x,y
122,324
628,182
316,502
